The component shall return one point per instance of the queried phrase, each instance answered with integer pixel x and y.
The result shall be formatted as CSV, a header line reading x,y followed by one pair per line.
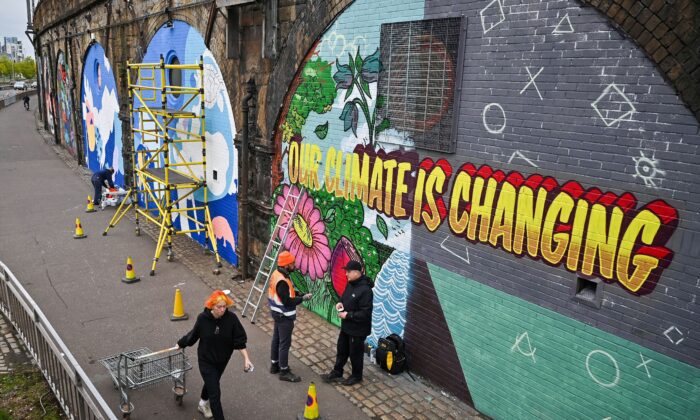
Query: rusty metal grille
x,y
419,80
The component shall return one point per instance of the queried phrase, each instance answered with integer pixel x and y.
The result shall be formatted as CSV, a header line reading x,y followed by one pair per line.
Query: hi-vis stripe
x,y
274,307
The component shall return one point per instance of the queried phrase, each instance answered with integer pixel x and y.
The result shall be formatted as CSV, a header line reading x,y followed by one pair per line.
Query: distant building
x,y
12,47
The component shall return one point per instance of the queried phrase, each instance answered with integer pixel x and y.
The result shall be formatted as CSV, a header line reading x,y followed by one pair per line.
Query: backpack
x,y
391,354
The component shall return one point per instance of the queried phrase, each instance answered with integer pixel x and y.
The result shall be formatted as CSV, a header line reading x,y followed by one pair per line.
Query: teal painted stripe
x,y
485,324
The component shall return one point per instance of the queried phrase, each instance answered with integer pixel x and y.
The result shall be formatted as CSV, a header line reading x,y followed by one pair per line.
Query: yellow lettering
x,y
503,217
316,156
360,176
389,166
481,209
559,210
435,184
330,182
574,254
375,192
601,240
401,189
460,192
528,221
647,224
418,195
293,162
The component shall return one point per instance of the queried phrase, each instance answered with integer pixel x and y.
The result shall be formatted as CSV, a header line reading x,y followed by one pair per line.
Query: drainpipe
x,y
243,183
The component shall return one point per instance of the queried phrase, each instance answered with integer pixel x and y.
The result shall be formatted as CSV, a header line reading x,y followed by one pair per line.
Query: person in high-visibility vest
x,y
283,301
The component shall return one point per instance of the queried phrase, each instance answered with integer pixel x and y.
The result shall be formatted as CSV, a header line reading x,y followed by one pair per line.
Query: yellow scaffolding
x,y
166,170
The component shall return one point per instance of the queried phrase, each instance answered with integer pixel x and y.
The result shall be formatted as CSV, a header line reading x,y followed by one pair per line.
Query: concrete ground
x,y
77,285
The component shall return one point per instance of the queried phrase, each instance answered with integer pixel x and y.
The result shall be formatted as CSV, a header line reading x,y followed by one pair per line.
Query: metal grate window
x,y
419,80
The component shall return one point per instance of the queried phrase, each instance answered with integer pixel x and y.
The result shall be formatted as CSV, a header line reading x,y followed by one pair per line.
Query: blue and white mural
x,y
391,288
183,44
102,129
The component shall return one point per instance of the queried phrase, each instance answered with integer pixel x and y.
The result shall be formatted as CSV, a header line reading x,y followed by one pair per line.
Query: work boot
x,y
275,368
334,376
352,380
287,375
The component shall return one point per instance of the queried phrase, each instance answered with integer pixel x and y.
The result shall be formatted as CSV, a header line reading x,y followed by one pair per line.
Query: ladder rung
x,y
252,304
258,289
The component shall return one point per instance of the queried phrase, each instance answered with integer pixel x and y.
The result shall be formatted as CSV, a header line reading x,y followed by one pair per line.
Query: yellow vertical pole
x,y
134,153
167,214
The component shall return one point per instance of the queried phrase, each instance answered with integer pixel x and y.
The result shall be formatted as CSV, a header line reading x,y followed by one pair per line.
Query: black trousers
x,y
98,192
281,339
350,347
211,374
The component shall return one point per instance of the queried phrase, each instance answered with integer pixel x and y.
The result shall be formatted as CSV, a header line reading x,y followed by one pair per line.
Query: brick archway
x,y
668,31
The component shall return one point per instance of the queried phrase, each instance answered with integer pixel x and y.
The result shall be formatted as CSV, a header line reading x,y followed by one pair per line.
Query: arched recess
x,y
64,103
182,43
99,107
47,83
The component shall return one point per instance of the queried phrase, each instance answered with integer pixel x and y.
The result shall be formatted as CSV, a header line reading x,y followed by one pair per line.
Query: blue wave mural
x,y
391,288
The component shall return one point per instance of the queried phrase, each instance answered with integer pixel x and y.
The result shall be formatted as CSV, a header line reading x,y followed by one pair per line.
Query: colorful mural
x,y
374,194
48,91
65,103
102,129
183,44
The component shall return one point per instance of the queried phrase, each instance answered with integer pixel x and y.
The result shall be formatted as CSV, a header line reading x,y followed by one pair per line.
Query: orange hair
x,y
216,297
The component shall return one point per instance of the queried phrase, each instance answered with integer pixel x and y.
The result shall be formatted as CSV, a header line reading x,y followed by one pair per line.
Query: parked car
x,y
20,86
33,85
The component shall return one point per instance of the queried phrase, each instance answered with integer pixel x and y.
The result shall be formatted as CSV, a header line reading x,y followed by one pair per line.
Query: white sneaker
x,y
204,409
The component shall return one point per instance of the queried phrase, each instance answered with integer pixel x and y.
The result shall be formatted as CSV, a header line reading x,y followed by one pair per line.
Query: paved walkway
x,y
97,315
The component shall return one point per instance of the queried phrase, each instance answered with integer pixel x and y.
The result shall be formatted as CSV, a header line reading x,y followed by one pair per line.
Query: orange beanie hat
x,y
285,258
216,297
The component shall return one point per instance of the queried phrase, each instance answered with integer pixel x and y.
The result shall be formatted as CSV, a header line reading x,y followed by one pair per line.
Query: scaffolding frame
x,y
166,170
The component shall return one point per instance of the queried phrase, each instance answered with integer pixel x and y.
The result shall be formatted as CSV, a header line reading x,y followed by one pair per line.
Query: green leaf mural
x,y
322,131
381,225
316,92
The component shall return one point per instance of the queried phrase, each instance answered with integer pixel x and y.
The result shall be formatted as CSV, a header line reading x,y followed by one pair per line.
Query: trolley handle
x,y
157,352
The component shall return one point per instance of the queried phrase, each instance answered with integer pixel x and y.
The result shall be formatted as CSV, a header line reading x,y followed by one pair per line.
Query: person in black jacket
x,y
100,179
355,311
219,333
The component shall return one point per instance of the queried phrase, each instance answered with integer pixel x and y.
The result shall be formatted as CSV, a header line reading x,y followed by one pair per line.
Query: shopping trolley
x,y
142,368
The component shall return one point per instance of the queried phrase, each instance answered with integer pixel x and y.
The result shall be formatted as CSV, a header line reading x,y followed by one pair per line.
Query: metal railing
x,y
74,391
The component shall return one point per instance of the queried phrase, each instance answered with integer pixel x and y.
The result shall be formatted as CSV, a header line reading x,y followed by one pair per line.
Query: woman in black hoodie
x,y
219,333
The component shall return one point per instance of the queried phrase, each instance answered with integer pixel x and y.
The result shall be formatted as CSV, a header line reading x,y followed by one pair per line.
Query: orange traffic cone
x,y
311,409
130,275
90,207
79,234
178,308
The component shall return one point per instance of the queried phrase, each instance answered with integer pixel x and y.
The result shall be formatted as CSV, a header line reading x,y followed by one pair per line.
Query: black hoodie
x,y
357,301
218,338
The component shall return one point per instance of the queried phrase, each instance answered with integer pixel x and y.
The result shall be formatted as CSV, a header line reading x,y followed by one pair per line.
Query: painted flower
x,y
343,77
306,239
371,67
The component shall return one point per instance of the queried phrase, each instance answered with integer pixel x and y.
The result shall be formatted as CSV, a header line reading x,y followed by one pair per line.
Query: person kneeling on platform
x,y
101,179
283,301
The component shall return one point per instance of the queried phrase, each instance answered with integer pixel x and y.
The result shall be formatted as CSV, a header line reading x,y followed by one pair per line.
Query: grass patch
x,y
23,393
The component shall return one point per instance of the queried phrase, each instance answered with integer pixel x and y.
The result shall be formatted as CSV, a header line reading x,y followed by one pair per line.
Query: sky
x,y
13,22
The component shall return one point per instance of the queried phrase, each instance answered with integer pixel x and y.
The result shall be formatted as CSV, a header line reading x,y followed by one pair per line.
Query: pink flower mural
x,y
306,240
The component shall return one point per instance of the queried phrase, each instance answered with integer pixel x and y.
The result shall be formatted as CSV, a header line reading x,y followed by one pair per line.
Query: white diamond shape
x,y
491,24
671,328
623,101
